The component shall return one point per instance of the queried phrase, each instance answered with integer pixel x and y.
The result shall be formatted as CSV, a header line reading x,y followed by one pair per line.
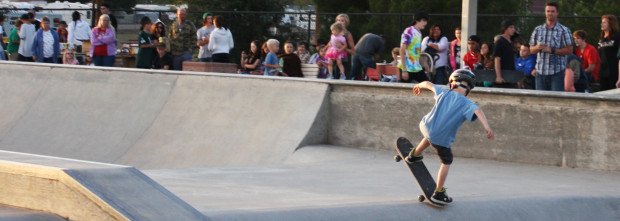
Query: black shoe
x,y
441,197
411,159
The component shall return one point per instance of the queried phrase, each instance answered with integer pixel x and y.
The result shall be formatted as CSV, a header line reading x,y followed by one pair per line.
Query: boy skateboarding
x,y
439,126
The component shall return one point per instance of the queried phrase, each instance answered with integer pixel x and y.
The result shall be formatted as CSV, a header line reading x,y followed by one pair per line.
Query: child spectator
x,y
335,51
250,62
395,56
63,33
439,127
322,61
590,60
69,57
13,44
320,43
291,64
302,52
472,57
486,58
146,43
164,58
272,64
526,63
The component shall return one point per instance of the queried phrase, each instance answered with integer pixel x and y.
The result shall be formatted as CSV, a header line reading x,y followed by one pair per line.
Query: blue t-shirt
x,y
450,111
273,60
526,65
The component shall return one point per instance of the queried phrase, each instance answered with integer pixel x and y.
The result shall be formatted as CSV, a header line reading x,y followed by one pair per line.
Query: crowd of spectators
x,y
546,58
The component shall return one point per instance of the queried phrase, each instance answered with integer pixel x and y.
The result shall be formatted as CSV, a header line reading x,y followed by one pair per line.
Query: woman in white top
x,y
437,45
79,31
220,41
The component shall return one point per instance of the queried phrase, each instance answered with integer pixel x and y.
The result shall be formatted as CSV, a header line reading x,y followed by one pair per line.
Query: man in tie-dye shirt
x,y
410,50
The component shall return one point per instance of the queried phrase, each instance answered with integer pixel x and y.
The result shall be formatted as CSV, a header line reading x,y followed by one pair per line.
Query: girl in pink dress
x,y
335,49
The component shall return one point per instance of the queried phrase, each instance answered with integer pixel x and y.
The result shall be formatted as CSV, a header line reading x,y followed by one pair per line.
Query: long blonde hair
x,y
346,19
100,22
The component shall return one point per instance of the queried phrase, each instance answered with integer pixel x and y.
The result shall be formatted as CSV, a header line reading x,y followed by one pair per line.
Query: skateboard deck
x,y
510,76
418,169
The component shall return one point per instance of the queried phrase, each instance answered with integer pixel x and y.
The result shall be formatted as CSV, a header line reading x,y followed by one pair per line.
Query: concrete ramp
x,y
154,120
211,121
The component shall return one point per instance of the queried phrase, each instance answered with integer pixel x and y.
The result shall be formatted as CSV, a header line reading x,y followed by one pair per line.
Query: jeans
x,y
441,75
554,82
206,59
49,60
177,63
106,61
359,64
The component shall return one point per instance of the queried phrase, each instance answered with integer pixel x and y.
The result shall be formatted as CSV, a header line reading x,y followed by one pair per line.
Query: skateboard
x,y
510,76
418,169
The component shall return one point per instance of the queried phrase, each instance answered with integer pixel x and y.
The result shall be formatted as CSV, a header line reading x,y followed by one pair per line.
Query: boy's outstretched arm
x,y
485,123
423,85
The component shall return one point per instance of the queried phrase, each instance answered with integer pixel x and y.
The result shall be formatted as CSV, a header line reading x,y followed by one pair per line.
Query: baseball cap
x,y
205,15
474,38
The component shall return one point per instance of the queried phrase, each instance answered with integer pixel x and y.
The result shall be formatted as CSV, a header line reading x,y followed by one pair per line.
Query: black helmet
x,y
463,78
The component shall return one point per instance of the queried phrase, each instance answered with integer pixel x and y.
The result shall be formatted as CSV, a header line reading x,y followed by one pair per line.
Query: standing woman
x,y
220,41
103,43
607,50
159,32
350,49
437,44
46,46
146,43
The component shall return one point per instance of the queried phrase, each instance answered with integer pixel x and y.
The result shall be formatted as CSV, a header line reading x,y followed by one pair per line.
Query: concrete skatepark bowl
x,y
125,144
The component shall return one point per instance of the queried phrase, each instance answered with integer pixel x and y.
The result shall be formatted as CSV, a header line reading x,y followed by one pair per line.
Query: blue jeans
x,y
49,60
206,59
554,82
359,63
107,61
177,63
441,75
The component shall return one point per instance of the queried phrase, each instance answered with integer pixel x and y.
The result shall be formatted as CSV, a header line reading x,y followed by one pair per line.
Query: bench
x,y
310,70
210,67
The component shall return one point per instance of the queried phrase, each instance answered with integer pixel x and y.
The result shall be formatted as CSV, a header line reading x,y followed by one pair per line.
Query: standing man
x,y
202,38
37,24
182,39
504,54
369,46
105,10
26,36
551,42
410,50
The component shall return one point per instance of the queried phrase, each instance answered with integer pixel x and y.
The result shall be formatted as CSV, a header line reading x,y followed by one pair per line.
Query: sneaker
x,y
411,159
441,197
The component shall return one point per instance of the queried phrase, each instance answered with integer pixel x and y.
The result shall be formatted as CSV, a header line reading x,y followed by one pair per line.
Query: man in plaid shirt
x,y
551,42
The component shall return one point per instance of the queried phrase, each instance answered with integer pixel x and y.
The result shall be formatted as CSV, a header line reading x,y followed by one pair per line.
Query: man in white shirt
x,y
79,32
26,36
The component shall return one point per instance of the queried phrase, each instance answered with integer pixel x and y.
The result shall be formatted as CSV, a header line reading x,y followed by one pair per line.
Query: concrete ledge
x,y
80,190
547,128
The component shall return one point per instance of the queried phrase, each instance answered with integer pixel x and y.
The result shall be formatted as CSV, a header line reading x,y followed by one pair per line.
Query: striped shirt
x,y
557,37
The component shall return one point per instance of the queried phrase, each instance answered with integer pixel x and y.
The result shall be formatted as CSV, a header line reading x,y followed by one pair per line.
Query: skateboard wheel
x,y
397,158
421,198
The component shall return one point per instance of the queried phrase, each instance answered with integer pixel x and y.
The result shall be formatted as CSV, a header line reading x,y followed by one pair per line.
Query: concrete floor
x,y
335,183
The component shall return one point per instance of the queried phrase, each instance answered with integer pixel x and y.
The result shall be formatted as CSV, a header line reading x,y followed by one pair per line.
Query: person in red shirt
x,y
590,60
473,52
